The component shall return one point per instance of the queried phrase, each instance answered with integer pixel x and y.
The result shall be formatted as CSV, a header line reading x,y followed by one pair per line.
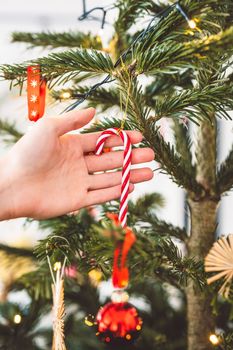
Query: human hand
x,y
48,172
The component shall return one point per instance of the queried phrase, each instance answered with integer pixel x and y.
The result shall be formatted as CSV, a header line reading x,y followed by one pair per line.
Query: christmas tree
x,y
178,67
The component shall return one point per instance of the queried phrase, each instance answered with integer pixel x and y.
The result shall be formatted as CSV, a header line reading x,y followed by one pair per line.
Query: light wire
x,y
108,79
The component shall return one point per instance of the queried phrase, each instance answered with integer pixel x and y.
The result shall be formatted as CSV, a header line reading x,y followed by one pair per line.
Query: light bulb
x,y
65,95
192,24
89,320
214,339
17,319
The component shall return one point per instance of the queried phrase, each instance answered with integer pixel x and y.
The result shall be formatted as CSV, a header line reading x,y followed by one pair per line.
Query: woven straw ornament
x,y
220,260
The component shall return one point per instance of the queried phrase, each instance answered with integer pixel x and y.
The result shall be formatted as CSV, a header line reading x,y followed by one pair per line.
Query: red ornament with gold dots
x,y
118,323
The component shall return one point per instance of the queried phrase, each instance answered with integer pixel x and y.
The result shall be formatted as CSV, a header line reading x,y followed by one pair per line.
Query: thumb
x,y
74,120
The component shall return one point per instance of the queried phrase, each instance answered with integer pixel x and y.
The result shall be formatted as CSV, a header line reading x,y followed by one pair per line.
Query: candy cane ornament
x,y
120,274
125,170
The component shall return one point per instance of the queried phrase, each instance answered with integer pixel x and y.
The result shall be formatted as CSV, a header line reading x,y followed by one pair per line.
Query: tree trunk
x,y
203,224
200,319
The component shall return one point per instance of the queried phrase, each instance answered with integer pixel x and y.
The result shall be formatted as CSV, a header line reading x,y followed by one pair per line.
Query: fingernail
x,y
131,187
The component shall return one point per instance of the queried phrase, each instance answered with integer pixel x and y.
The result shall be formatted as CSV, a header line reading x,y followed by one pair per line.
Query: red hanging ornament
x,y
36,91
118,323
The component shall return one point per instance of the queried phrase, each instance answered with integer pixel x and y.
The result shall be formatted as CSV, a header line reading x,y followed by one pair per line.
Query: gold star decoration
x,y
220,260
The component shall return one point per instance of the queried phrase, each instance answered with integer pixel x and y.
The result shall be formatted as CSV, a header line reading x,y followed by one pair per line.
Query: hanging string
x,y
124,117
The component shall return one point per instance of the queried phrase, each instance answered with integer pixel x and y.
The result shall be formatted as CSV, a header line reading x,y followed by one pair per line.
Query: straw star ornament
x,y
58,310
58,316
220,260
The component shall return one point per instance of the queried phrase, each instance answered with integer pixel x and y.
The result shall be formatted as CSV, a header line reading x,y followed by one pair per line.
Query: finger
x,y
113,179
88,141
73,120
113,160
105,195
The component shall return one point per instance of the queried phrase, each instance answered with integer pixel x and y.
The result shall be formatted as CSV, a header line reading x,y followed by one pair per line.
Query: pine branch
x,y
9,132
17,252
102,97
106,98
208,14
147,203
182,268
107,123
69,234
85,76
197,104
226,341
169,56
61,67
129,12
37,283
157,7
225,174
67,65
165,154
152,256
162,228
174,165
54,40
166,84
143,215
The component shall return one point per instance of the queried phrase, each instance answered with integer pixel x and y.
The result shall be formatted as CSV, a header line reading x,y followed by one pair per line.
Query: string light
x,y
65,95
191,22
17,319
89,320
104,10
214,339
140,37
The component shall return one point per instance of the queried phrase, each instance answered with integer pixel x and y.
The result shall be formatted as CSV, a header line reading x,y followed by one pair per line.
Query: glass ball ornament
x,y
118,323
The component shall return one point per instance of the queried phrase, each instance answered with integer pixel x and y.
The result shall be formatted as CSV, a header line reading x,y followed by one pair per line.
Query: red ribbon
x,y
36,91
120,273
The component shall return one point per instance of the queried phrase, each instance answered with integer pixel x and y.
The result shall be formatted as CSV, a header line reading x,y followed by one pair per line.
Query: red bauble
x,y
118,323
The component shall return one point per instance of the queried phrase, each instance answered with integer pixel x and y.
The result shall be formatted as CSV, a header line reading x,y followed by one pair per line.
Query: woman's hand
x,y
48,172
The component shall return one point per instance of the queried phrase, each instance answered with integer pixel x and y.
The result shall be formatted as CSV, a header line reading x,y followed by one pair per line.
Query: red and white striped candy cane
x,y
125,170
